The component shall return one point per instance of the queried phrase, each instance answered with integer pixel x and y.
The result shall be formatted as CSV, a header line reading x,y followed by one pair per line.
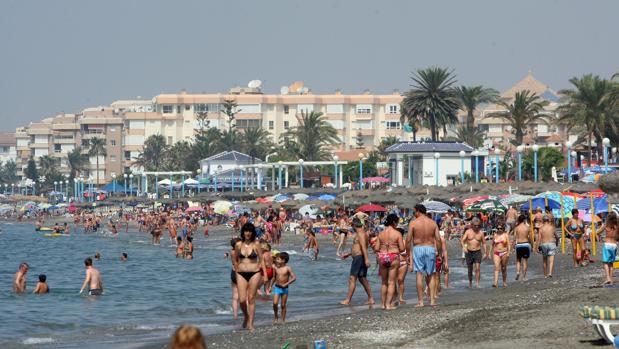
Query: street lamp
x,y
360,171
336,181
12,188
606,143
113,183
55,185
199,172
535,150
462,155
436,157
301,172
279,174
242,174
476,155
234,168
66,182
497,152
131,184
568,144
125,185
520,149
272,170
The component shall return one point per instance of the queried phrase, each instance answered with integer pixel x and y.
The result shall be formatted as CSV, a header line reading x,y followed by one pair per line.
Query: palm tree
x,y
205,143
256,142
176,158
77,161
470,97
313,135
384,144
96,149
522,112
48,166
589,105
471,136
432,98
153,155
229,140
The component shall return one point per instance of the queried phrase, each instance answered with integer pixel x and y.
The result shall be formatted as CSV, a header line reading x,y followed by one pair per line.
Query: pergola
x,y
284,165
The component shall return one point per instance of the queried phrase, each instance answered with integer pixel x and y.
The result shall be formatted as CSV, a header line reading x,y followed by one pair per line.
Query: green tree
x,y
384,144
256,142
313,135
229,140
97,148
471,136
176,158
48,167
589,107
230,109
9,172
470,97
31,170
432,98
153,154
359,140
77,161
522,112
547,158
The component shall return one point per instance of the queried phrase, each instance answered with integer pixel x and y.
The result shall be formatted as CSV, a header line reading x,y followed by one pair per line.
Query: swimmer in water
x,y
41,287
124,256
19,282
92,280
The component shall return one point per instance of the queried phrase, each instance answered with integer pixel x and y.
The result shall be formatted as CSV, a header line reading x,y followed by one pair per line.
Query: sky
x,y
64,56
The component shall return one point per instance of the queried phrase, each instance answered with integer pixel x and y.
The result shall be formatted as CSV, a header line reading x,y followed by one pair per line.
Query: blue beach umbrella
x,y
541,203
326,197
600,204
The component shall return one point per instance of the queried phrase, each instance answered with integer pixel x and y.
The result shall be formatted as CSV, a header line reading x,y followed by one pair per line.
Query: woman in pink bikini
x,y
500,251
388,247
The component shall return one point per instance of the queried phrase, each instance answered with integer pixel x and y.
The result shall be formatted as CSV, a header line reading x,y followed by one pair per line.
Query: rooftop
x,y
232,156
7,138
426,147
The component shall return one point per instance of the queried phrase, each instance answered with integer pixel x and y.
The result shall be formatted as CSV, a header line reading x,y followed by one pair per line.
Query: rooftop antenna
x,y
254,84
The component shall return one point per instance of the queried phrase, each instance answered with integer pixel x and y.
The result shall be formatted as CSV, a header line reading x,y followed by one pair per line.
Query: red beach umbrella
x,y
371,208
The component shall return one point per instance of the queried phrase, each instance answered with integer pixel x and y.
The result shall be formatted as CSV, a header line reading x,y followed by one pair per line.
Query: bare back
x,y
547,233
423,231
522,233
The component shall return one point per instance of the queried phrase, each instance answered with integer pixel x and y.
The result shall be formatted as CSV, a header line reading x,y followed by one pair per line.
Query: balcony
x,y
92,134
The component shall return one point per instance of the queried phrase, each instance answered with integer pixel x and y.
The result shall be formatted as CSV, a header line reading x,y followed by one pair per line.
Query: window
x,y
393,109
392,125
335,109
170,140
113,158
127,155
206,108
168,109
243,124
363,109
134,140
85,142
286,109
286,125
271,125
305,108
337,124
249,109
187,106
57,148
495,128
136,124
113,142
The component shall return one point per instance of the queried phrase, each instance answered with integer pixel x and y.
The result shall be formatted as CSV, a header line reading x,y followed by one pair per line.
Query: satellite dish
x,y
304,90
254,84
284,90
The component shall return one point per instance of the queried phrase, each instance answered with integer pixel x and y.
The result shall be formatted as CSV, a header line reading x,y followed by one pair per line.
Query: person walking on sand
x,y
510,219
473,243
250,272
233,285
576,229
92,280
360,263
500,252
546,243
523,245
423,245
609,252
19,282
389,245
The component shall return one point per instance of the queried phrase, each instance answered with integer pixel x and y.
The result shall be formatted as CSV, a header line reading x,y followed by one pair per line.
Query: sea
x,y
152,293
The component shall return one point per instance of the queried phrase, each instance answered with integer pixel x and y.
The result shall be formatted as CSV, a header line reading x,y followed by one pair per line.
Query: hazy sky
x,y
68,55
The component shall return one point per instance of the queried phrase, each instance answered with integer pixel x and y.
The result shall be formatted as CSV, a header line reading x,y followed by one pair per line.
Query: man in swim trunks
x,y
547,242
284,276
524,244
473,242
360,263
92,280
510,219
19,282
423,245
609,252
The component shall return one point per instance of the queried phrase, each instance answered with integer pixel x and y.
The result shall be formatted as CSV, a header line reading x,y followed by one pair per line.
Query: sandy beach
x,y
536,313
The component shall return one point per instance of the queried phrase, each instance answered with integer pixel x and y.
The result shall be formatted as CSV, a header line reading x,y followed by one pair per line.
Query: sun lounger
x,y
602,318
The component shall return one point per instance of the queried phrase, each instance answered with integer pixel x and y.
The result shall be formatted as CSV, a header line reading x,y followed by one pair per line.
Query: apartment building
x,y
8,150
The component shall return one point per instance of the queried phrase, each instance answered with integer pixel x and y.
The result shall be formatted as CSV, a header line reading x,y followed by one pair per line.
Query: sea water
x,y
149,295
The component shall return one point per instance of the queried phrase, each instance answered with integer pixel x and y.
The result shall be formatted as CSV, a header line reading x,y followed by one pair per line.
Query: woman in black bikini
x,y
250,272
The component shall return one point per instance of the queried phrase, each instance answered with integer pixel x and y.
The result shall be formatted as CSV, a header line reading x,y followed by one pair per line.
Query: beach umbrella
x,y
541,203
471,201
240,209
43,206
570,195
222,207
191,181
597,193
587,217
194,209
326,197
376,180
300,196
487,205
436,206
311,210
600,204
371,208
568,203
164,182
280,198
515,199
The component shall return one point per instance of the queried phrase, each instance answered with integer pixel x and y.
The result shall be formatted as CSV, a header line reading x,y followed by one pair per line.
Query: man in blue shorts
x,y
423,245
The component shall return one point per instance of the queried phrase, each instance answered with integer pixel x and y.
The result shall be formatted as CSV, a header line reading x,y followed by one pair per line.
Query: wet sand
x,y
536,313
